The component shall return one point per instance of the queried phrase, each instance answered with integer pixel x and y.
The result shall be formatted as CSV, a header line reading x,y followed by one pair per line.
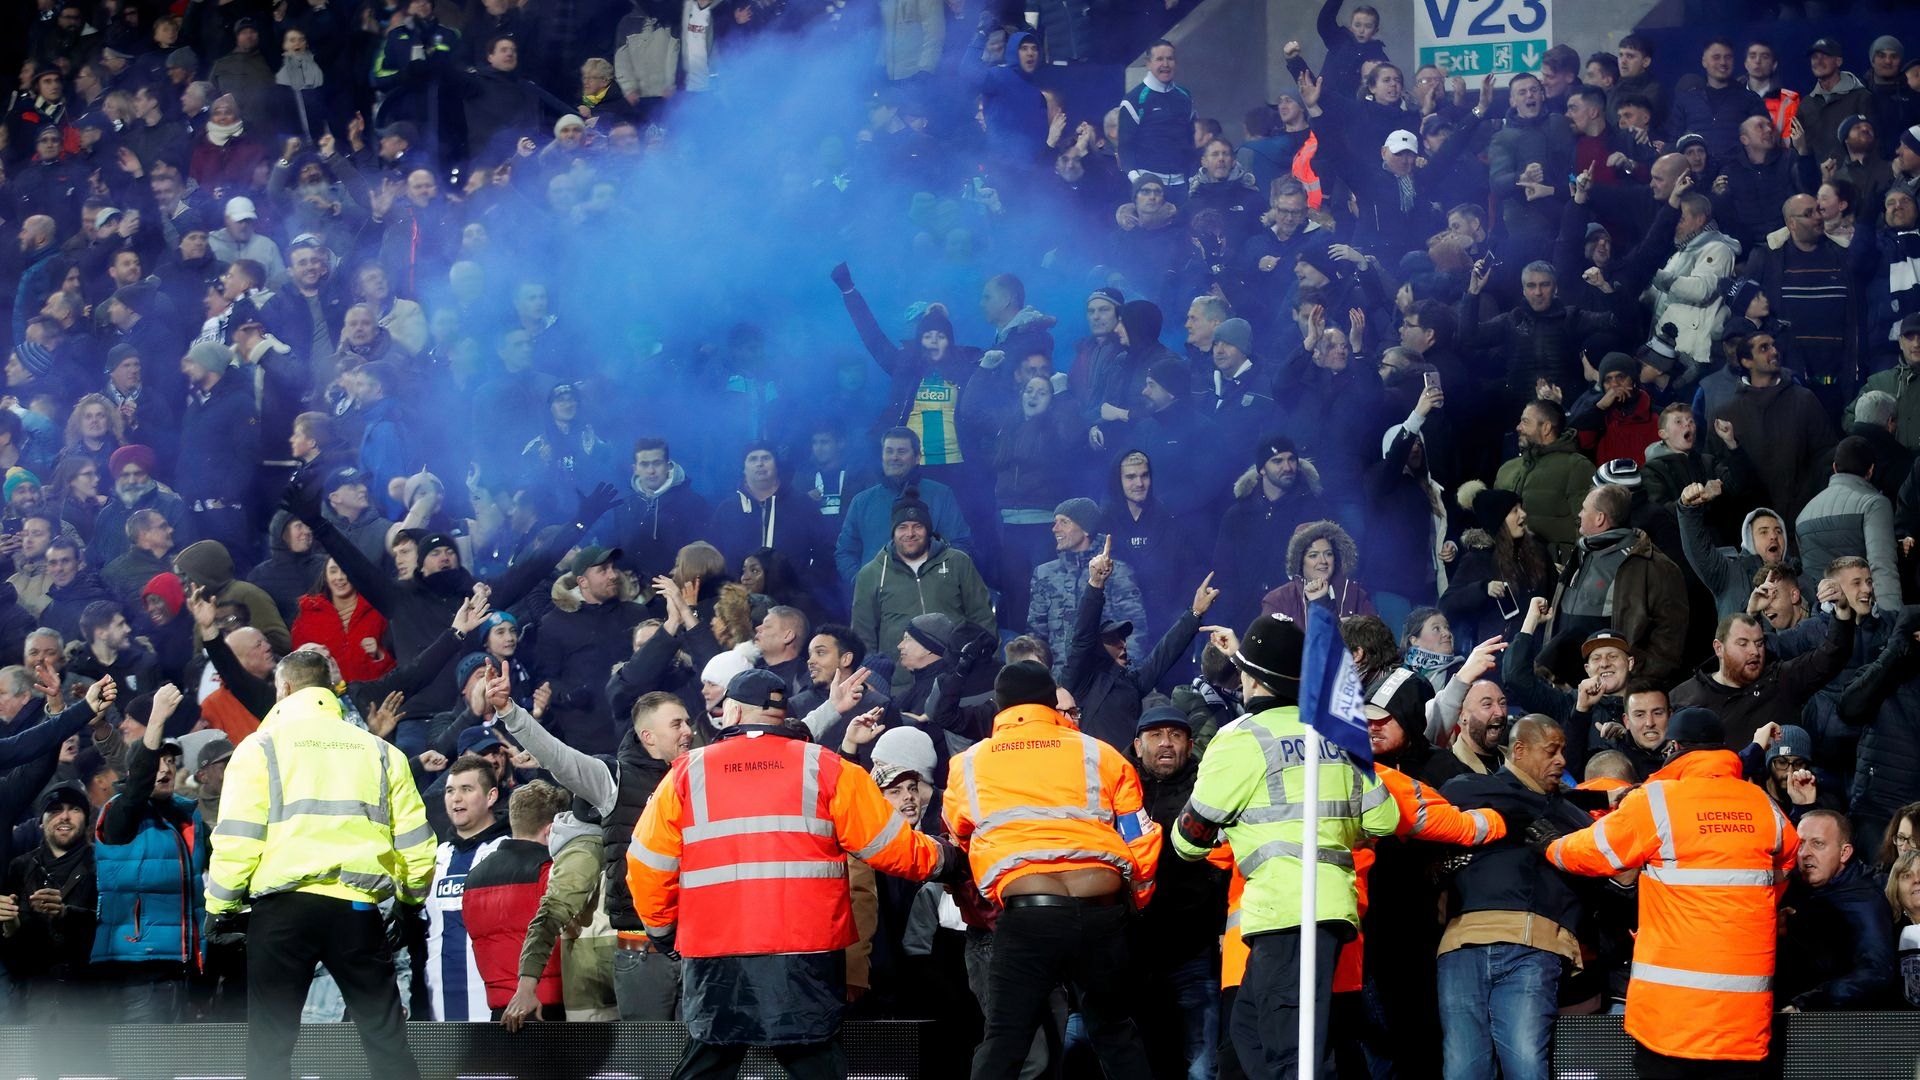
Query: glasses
x,y
1072,712
1903,843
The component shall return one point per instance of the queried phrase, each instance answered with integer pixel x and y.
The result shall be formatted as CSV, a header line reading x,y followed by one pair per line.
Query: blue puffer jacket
x,y
150,905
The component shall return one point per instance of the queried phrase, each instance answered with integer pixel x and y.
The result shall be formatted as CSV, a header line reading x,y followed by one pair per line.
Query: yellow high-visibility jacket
x,y
317,805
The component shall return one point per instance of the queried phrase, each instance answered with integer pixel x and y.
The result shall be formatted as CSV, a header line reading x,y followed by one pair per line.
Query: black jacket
x,y
1509,875
56,946
1189,905
1109,695
1883,698
1837,952
1777,696
577,648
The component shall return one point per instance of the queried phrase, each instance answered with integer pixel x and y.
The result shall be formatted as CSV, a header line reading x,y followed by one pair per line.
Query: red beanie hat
x,y
165,586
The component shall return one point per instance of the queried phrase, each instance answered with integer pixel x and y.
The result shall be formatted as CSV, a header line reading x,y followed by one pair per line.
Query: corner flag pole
x,y
1309,887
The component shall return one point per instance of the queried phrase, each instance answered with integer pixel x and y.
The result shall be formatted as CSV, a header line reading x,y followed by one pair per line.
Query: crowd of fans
x,y
1584,400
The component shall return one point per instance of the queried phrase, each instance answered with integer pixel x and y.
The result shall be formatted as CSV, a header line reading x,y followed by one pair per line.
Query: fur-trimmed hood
x,y
1346,556
1477,539
1250,479
565,592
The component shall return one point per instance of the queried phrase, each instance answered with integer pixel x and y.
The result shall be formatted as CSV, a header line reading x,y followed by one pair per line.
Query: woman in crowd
x,y
334,614
1501,568
1321,561
94,430
75,493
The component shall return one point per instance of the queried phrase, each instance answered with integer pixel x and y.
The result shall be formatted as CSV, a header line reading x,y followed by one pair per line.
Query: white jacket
x,y
1686,291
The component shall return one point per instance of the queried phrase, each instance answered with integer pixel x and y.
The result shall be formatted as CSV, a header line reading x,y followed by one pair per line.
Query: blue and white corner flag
x,y
1331,700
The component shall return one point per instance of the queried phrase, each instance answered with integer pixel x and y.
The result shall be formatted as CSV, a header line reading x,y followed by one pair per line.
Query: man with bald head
x,y
1513,933
1804,276
40,272
1474,707
1757,180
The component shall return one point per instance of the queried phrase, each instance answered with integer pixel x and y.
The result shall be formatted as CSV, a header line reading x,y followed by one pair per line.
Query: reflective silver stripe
x,y
1667,875
386,794
756,871
418,835
1212,813
810,780
1601,842
652,859
379,885
1090,756
1233,920
1779,830
1012,862
274,795
1274,849
659,931
1035,813
879,843
222,893
347,808
1702,980
1662,824
697,785
1481,826
1370,797
244,829
758,823
1269,744
1292,811
1419,808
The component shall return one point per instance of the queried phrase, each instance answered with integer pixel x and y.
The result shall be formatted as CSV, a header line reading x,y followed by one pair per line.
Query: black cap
x,y
759,689
1163,716
1270,651
588,557
1026,682
1826,45
1696,726
68,794
1910,325
401,129
343,476
1116,628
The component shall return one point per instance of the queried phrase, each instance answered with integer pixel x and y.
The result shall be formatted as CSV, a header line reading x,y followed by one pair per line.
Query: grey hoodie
x,y
1727,574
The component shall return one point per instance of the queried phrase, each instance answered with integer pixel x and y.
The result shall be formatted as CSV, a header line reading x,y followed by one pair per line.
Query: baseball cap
x,y
560,390
1910,325
401,129
588,557
104,215
240,208
342,477
199,749
477,739
1119,628
1602,639
1402,142
1163,716
759,689
885,776
1826,45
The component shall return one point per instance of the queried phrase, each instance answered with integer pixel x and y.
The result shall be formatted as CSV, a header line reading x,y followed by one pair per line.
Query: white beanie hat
x,y
723,667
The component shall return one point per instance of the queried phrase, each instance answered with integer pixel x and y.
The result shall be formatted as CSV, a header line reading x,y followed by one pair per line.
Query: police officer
x,y
1248,792
739,863
319,823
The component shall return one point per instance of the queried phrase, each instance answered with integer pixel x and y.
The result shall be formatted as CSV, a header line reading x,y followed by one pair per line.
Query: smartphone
x,y
1505,603
1433,380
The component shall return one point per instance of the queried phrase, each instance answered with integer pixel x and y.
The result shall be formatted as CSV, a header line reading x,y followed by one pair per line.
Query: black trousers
x,y
1654,1066
287,934
1266,1015
803,1061
1036,949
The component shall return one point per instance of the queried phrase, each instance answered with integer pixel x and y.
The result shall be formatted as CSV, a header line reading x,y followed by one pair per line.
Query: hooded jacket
x,y
1728,574
1649,601
318,623
1795,439
578,644
1249,558
786,521
1822,110
1520,142
650,529
285,576
888,594
1120,381
1110,695
1552,481
1883,699
206,563
1345,596
1686,291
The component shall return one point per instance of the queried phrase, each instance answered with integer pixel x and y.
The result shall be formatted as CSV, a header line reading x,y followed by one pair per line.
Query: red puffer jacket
x,y
319,624
503,892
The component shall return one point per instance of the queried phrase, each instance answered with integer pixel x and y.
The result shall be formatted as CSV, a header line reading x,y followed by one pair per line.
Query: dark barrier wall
x,y
1843,1046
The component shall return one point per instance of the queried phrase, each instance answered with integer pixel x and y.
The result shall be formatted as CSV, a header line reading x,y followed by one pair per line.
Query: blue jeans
x,y
1196,993
1498,1001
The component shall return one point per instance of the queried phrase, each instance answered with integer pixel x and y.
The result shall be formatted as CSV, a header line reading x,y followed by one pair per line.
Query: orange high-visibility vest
x,y
1041,796
1715,853
743,848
